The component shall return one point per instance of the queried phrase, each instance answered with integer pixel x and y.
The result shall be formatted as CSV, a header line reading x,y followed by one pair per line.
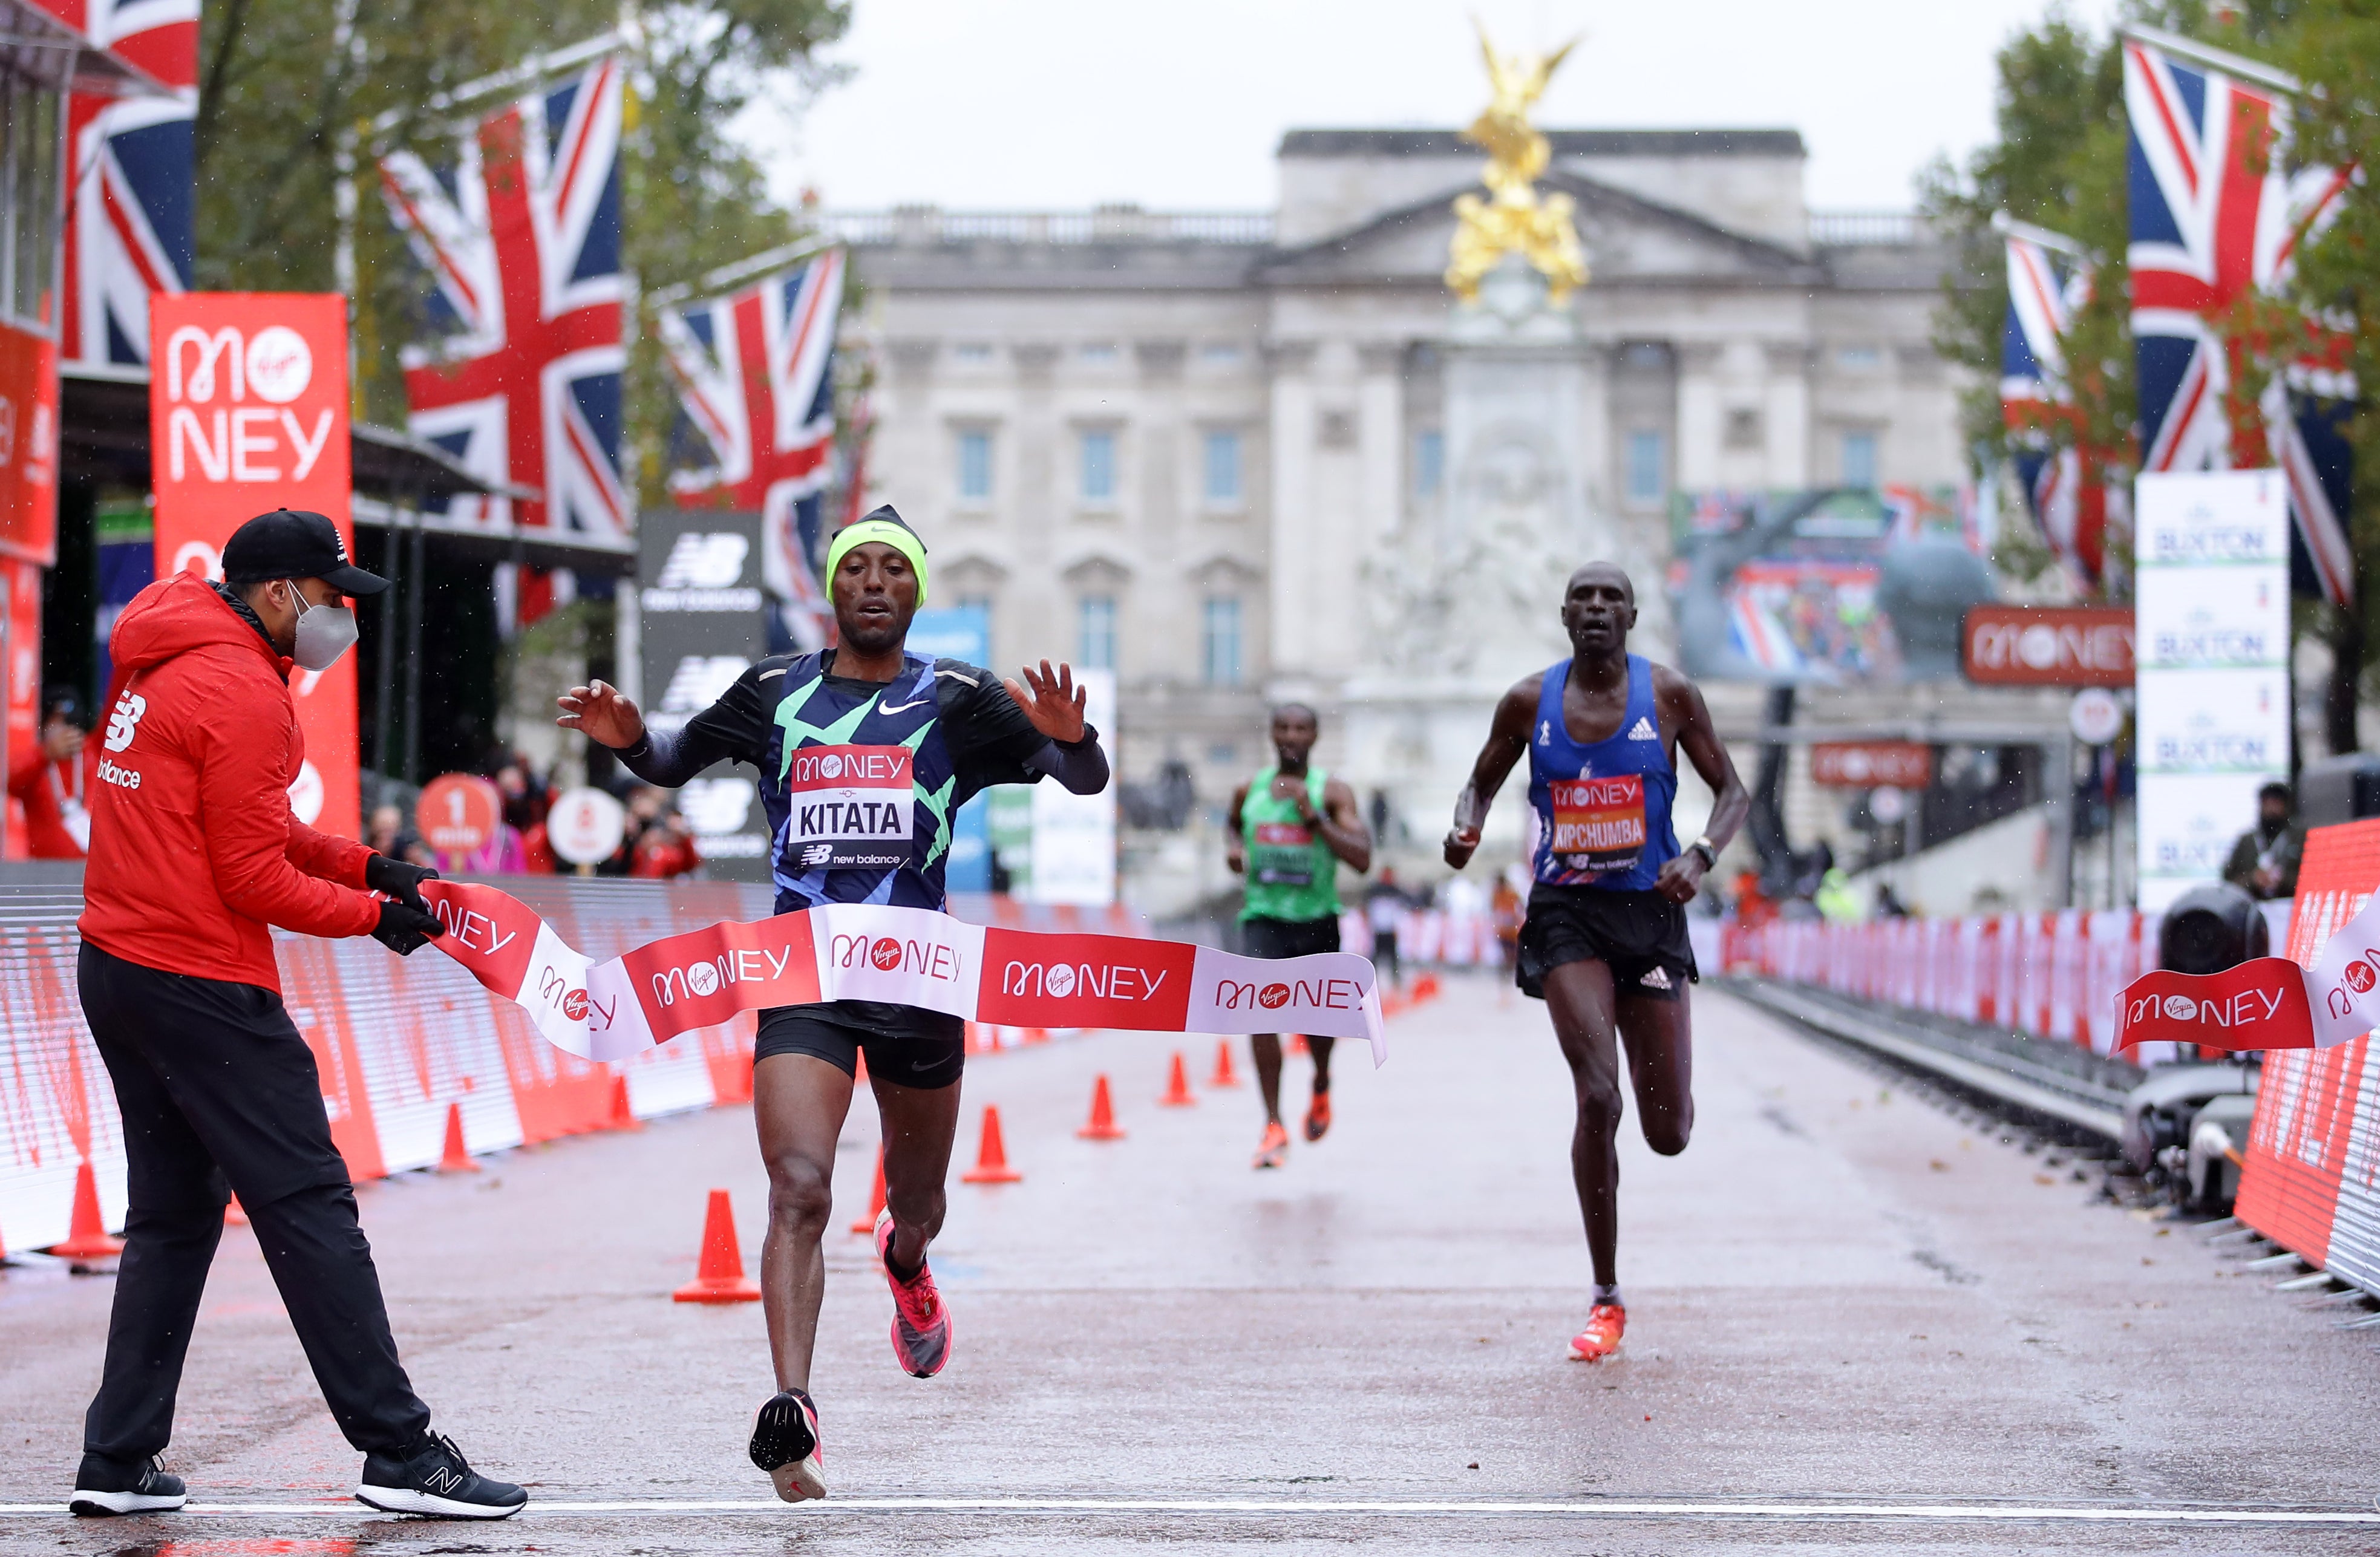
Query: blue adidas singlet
x,y
1603,809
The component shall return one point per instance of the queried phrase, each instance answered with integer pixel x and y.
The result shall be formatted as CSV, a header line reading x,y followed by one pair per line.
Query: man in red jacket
x,y
194,854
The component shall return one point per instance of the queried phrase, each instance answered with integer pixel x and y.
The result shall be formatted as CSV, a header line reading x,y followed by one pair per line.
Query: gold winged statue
x,y
1513,219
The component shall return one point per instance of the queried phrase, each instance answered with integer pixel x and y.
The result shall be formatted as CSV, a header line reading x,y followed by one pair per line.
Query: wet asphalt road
x,y
1837,1296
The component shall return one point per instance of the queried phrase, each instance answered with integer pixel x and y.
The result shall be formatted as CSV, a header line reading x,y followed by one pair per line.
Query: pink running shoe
x,y
921,1325
1605,1324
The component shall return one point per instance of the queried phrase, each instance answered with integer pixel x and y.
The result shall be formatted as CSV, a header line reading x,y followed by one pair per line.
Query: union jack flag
x,y
128,217
2046,283
756,381
2216,217
521,237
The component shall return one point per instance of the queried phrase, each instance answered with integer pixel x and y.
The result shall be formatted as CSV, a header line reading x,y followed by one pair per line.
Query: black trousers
x,y
218,1088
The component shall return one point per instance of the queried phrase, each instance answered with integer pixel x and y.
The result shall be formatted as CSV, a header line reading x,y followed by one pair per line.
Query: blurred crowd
x,y
656,843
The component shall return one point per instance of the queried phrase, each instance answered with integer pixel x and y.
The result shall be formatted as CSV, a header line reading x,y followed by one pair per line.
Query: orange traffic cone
x,y
1177,1086
875,1200
623,1116
720,1277
87,1236
992,1161
1295,1045
1224,1074
457,1159
1102,1124
233,1215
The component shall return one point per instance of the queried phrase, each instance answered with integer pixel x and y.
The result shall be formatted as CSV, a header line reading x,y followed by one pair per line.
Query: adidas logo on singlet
x,y
1644,731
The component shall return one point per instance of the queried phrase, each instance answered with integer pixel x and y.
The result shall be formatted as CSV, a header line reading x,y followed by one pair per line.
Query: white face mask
x,y
324,632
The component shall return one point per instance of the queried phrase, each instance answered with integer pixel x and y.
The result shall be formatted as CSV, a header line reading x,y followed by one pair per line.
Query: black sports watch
x,y
1701,845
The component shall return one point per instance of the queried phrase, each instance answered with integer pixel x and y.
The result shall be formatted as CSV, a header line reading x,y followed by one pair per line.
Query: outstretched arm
x,y
1508,741
1684,710
1054,705
608,716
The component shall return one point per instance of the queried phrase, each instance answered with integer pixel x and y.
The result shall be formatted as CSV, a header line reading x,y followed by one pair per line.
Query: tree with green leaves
x,y
2059,163
285,86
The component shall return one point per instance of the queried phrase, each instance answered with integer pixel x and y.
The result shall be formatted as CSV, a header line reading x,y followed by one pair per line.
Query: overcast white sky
x,y
1062,103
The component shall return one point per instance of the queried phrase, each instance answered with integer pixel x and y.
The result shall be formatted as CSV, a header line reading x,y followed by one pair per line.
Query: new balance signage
x,y
698,574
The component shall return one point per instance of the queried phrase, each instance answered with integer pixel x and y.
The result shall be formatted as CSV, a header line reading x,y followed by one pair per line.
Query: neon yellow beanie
x,y
884,525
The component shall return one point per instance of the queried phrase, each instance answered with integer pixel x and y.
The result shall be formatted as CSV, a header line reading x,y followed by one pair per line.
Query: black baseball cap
x,y
292,543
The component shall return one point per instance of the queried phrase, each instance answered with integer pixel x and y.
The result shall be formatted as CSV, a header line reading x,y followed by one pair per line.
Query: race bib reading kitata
x,y
1599,822
851,805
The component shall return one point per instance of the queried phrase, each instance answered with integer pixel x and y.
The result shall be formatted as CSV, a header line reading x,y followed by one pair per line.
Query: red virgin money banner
x,y
248,412
620,1007
2259,1004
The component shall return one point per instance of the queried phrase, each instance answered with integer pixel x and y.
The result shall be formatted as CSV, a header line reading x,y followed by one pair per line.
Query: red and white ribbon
x,y
613,1009
2268,1002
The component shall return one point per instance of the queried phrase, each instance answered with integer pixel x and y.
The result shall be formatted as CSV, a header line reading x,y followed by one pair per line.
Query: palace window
x,y
1648,475
1097,482
1095,647
1428,462
1220,659
1223,470
975,465
1859,460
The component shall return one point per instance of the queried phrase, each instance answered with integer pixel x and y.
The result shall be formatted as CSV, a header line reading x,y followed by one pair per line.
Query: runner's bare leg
x,y
798,1104
1587,1015
1263,1047
920,1123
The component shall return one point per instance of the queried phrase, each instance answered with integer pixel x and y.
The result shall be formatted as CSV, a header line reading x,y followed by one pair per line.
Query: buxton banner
x,y
623,1006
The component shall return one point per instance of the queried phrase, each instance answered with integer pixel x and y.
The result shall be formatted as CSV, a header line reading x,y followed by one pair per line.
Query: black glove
x,y
404,929
399,879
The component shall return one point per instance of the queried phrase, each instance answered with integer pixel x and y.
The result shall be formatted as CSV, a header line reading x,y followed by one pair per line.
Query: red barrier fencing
x,y
2311,1178
2055,976
396,1040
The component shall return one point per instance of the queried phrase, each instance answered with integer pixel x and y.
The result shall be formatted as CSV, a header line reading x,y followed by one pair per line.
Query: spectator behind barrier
x,y
2263,863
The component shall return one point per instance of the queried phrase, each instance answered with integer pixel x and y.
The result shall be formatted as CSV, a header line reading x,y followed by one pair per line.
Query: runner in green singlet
x,y
1291,825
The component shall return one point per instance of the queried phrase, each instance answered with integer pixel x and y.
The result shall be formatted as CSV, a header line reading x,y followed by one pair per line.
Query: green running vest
x,y
1291,873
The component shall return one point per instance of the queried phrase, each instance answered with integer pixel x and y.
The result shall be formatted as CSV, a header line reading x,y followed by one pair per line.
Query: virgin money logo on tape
x,y
485,929
900,955
707,976
2258,1004
1085,982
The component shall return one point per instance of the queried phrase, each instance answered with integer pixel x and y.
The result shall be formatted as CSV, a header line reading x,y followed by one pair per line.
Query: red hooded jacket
x,y
193,848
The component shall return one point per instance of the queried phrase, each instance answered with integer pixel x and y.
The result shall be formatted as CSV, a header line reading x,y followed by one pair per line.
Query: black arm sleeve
x,y
735,728
1081,766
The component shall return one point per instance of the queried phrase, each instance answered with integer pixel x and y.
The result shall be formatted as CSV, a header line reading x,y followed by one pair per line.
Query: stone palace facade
x,y
1209,450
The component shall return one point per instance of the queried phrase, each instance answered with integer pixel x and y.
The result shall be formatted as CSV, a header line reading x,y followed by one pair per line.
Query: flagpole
x,y
2215,58
742,270
2009,227
530,69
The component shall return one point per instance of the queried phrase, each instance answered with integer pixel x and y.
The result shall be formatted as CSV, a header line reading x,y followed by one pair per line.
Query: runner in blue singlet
x,y
1604,944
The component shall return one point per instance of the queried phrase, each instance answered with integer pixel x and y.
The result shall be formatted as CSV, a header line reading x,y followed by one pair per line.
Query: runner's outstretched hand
x,y
1051,702
604,714
1462,842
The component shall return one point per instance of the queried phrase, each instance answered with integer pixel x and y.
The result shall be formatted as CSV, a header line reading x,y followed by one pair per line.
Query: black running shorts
x,y
904,1045
1640,936
1288,938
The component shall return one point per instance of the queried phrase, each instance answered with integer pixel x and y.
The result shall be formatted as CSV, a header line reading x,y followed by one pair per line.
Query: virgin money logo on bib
x,y
851,805
1599,822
